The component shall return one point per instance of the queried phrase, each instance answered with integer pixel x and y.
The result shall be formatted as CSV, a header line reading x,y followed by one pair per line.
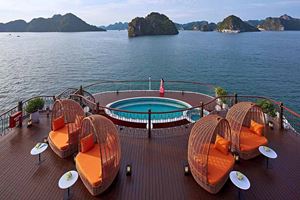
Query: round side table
x,y
66,183
243,184
268,153
38,150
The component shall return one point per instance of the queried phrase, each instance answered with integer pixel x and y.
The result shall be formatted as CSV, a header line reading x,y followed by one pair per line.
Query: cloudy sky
x,y
103,12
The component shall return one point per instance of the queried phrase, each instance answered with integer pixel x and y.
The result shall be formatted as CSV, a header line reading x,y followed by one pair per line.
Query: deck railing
x,y
286,117
5,116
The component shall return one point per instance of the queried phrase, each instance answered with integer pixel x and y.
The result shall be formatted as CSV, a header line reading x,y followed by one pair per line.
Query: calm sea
x,y
266,63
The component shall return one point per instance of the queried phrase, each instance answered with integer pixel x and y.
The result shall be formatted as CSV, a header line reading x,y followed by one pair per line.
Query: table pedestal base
x,y
67,194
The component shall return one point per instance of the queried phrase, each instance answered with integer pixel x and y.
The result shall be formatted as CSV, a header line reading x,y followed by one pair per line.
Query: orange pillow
x,y
78,121
87,143
222,144
256,128
58,123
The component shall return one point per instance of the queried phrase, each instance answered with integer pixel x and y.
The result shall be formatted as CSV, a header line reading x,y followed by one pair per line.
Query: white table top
x,y
270,154
63,183
35,151
243,184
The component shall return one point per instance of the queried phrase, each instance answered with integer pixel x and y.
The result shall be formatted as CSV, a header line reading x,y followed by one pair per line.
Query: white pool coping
x,y
145,121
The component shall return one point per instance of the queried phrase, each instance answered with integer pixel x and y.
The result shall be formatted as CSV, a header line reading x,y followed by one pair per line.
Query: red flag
x,y
162,87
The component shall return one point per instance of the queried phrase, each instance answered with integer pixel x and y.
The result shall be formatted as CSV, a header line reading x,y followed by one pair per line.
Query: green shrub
x,y
34,105
267,107
221,92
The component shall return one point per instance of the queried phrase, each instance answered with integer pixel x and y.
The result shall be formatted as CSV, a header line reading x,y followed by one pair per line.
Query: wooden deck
x,y
157,168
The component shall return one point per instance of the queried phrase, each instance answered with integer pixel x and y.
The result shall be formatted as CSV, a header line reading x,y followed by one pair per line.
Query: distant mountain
x,y
233,24
116,26
58,23
282,23
153,24
255,22
197,26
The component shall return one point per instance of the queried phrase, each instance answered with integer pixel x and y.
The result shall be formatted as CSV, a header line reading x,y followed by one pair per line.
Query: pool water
x,y
143,104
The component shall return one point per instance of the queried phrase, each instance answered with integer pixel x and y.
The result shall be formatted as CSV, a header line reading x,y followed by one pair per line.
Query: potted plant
x,y
221,101
268,109
33,107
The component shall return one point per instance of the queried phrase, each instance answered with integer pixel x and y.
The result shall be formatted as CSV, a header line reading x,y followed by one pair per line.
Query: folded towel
x,y
69,176
239,175
38,145
267,149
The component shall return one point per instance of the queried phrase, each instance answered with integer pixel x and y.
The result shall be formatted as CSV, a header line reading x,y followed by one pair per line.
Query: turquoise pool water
x,y
143,104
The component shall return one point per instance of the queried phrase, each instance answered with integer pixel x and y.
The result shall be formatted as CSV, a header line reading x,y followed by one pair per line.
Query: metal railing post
x,y
202,109
149,123
97,108
281,116
20,109
81,91
235,98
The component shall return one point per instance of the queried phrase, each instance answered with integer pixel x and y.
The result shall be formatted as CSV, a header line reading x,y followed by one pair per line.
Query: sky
x,y
104,12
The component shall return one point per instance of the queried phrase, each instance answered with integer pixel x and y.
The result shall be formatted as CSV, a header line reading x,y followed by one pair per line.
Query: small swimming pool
x,y
143,104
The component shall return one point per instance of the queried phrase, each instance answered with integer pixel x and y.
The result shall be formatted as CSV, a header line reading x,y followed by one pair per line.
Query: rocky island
x,y
58,23
282,23
153,24
197,26
233,24
116,26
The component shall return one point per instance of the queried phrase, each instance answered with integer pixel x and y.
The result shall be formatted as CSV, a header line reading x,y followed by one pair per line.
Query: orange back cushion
x,y
87,143
222,144
256,128
58,123
78,121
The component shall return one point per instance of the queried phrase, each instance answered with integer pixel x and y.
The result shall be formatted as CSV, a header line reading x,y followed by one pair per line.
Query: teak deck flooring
x,y
157,165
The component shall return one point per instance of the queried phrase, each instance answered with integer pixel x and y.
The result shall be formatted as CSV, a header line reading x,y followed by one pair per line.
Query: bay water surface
x,y
263,63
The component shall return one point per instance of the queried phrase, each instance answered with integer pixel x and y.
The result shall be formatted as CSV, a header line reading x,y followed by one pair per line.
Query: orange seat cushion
x,y
222,144
256,128
87,143
89,165
58,123
60,138
250,141
219,165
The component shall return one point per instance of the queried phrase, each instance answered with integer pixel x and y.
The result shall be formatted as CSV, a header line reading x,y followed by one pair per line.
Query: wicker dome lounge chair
x,y
65,127
209,164
247,121
98,160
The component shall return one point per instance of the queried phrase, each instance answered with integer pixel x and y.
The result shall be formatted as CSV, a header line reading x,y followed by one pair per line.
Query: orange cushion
x,y
256,128
219,165
89,165
78,121
87,143
222,144
60,138
58,123
250,141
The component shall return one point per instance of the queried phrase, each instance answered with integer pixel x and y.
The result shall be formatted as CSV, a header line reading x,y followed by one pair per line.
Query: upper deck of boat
x,y
157,165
